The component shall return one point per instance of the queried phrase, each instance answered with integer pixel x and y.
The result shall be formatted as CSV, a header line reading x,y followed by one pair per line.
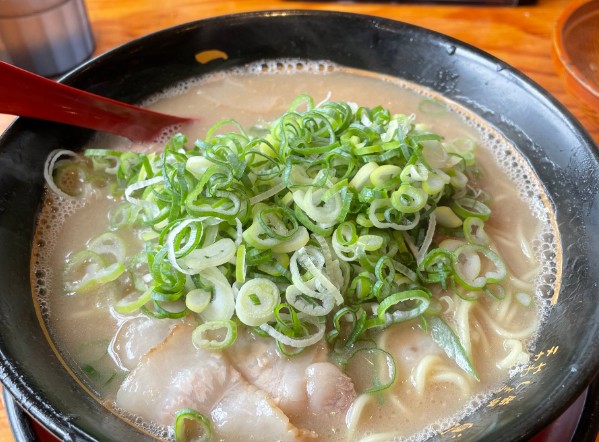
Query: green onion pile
x,y
324,224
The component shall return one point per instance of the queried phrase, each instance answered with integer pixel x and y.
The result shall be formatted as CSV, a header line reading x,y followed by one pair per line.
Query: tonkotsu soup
x,y
339,256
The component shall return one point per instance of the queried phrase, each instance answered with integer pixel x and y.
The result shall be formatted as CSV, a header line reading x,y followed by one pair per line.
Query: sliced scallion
x,y
192,426
338,221
215,335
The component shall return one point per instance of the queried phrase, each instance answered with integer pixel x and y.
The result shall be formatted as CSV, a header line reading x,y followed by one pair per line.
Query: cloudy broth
x,y
430,392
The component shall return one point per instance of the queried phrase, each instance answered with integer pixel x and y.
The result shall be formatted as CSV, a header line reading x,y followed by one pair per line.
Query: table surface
x,y
519,35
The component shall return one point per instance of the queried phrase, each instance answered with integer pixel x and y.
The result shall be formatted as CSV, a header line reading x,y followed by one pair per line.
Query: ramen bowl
x,y
557,148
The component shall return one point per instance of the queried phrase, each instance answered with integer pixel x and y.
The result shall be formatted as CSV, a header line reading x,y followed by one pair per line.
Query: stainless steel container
x,y
48,37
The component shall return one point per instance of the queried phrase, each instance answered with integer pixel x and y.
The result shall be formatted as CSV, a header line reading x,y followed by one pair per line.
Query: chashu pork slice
x,y
282,377
306,387
175,375
136,336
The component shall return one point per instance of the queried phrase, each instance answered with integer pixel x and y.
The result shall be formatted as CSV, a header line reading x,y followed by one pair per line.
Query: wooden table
x,y
521,36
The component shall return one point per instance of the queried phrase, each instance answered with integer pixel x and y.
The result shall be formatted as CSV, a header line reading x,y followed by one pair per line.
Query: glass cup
x,y
48,37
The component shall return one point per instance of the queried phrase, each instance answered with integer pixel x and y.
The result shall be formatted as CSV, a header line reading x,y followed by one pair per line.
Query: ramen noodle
x,y
339,256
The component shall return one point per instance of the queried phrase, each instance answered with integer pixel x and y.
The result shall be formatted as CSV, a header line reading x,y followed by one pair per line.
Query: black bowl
x,y
559,150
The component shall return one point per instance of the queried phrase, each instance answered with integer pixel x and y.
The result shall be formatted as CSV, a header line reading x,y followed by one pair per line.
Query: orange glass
x,y
576,50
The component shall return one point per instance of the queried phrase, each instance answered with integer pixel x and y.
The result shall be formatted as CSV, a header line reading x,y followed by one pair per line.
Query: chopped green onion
x,y
109,244
215,335
197,300
214,255
371,370
474,231
432,106
133,302
447,218
338,222
396,307
443,335
86,270
469,207
467,266
256,301
185,431
362,176
408,199
240,264
51,166
222,304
